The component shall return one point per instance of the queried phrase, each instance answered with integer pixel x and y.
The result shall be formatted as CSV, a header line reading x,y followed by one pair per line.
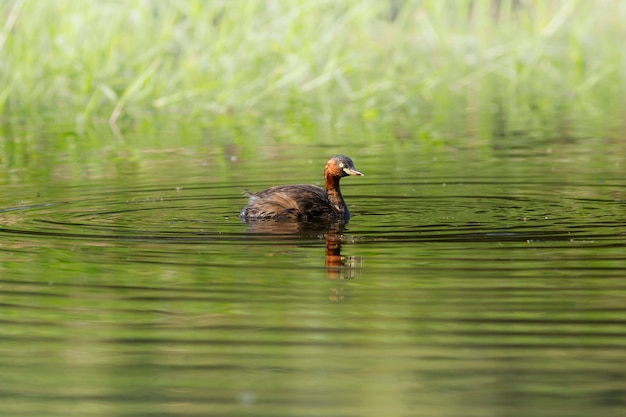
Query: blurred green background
x,y
251,72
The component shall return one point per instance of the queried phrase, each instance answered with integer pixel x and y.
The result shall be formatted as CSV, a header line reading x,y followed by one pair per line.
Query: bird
x,y
303,202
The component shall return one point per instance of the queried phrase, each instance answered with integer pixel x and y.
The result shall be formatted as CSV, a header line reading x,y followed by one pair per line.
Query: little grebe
x,y
304,202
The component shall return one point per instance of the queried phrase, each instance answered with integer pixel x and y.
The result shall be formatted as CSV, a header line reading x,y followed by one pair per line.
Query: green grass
x,y
293,70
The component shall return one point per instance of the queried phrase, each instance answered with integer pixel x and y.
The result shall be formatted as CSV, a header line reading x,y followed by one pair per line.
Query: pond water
x,y
470,281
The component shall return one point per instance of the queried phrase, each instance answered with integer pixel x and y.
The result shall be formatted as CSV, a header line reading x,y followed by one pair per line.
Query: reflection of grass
x,y
311,65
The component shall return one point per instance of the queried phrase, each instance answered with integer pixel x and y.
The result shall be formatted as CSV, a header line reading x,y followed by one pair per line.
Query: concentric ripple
x,y
423,213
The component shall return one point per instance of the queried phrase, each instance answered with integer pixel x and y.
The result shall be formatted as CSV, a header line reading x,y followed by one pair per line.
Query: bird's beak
x,y
352,171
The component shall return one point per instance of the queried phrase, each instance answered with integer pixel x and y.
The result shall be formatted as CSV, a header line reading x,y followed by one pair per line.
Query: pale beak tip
x,y
352,171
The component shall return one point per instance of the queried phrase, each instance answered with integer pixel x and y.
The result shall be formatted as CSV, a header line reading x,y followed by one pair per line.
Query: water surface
x,y
471,281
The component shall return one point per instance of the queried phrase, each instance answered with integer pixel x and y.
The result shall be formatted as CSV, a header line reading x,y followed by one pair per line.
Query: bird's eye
x,y
340,164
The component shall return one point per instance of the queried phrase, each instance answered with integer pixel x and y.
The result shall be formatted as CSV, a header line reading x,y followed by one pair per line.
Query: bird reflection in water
x,y
338,266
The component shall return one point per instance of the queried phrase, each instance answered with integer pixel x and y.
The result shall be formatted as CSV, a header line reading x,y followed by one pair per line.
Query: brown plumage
x,y
304,202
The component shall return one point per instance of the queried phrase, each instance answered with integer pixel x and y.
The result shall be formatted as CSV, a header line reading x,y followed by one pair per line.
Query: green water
x,y
479,279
